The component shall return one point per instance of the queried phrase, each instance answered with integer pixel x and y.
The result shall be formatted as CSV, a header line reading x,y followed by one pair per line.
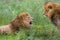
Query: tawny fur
x,y
22,20
52,11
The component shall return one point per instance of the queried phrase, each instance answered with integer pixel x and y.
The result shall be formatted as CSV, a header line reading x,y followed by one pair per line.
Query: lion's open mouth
x,y
30,23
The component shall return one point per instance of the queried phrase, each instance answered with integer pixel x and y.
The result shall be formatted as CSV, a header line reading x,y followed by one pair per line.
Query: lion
x,y
22,20
52,11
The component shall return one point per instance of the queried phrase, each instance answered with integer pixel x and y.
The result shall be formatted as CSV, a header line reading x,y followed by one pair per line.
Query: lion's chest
x,y
56,20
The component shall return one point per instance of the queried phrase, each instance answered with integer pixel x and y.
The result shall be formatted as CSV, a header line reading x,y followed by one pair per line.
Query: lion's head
x,y
23,20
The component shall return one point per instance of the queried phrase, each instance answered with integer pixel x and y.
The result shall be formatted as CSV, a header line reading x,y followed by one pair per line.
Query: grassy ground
x,y
42,28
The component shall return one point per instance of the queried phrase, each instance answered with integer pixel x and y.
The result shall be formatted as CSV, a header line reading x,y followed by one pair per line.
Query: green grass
x,y
42,28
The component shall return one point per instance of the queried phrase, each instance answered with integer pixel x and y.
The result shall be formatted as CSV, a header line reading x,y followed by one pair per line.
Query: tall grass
x,y
42,28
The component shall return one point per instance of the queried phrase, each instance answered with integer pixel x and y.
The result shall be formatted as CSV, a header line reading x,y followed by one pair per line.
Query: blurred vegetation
x,y
42,28
58,1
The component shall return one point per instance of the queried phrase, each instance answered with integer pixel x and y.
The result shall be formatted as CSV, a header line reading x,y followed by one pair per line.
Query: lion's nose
x,y
45,14
32,18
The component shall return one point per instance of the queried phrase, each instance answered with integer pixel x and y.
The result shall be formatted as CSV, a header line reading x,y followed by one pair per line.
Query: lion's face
x,y
25,19
49,9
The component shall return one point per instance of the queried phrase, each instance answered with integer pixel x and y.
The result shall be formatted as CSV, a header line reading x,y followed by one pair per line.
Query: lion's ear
x,y
27,14
19,17
50,6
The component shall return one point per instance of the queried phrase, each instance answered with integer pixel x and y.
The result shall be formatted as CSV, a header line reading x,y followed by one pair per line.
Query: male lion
x,y
52,11
22,20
